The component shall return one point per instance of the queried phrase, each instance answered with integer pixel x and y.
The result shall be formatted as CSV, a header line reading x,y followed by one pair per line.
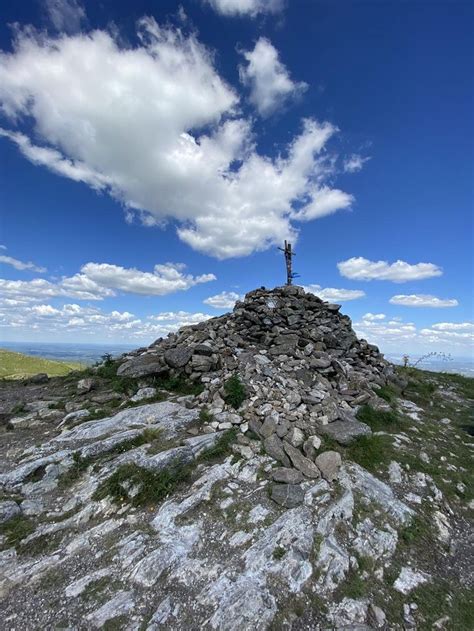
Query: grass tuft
x,y
234,392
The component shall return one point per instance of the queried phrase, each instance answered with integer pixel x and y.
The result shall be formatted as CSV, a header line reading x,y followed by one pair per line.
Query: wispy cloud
x,y
66,15
355,163
250,8
332,294
422,300
20,265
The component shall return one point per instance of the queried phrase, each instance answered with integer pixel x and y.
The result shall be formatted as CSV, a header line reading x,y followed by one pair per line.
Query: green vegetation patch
x,y
205,416
389,393
221,447
278,553
140,486
16,529
19,366
234,392
80,464
381,421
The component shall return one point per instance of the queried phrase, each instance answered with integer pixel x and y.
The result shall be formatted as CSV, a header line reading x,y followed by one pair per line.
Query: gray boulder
x,y
142,366
287,495
178,357
303,464
345,432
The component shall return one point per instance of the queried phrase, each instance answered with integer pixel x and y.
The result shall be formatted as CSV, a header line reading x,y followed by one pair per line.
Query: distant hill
x,y
17,365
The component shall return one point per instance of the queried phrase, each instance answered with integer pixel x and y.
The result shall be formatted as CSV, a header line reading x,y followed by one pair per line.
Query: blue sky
x,y
197,137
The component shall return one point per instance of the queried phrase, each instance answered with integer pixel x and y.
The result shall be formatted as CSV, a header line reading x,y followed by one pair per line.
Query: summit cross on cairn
x,y
288,256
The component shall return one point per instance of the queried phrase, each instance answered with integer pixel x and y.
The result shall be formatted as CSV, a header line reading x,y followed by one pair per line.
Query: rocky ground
x,y
316,488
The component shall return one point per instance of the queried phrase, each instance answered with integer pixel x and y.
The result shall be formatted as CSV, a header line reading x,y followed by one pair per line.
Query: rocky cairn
x,y
303,370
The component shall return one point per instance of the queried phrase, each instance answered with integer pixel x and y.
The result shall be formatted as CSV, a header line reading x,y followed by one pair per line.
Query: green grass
x,y
379,421
221,447
387,392
148,436
234,392
18,366
371,452
16,529
151,486
353,587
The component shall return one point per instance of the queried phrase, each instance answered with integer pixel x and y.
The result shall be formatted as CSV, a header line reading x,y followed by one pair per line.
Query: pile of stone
x,y
304,371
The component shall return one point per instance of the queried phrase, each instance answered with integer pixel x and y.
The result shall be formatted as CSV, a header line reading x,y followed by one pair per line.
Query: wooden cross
x,y
288,256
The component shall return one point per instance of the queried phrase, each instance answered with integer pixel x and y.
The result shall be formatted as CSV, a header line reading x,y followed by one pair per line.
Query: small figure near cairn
x,y
288,256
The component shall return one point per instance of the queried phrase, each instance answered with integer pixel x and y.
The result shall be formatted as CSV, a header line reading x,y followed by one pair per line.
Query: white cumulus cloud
x,y
268,79
373,317
224,300
97,281
156,127
331,294
249,8
422,300
360,268
453,326
164,279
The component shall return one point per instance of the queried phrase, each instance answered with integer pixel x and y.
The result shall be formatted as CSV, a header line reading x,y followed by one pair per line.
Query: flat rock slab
x,y
345,432
170,417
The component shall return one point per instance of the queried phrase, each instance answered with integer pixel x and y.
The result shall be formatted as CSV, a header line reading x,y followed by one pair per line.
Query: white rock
x,y
395,472
409,579
143,393
77,587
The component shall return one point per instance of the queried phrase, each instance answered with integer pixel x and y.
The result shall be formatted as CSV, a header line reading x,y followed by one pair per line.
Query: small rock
x,y
311,446
85,385
143,393
441,623
395,472
75,416
329,463
287,495
268,427
274,448
295,437
376,616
